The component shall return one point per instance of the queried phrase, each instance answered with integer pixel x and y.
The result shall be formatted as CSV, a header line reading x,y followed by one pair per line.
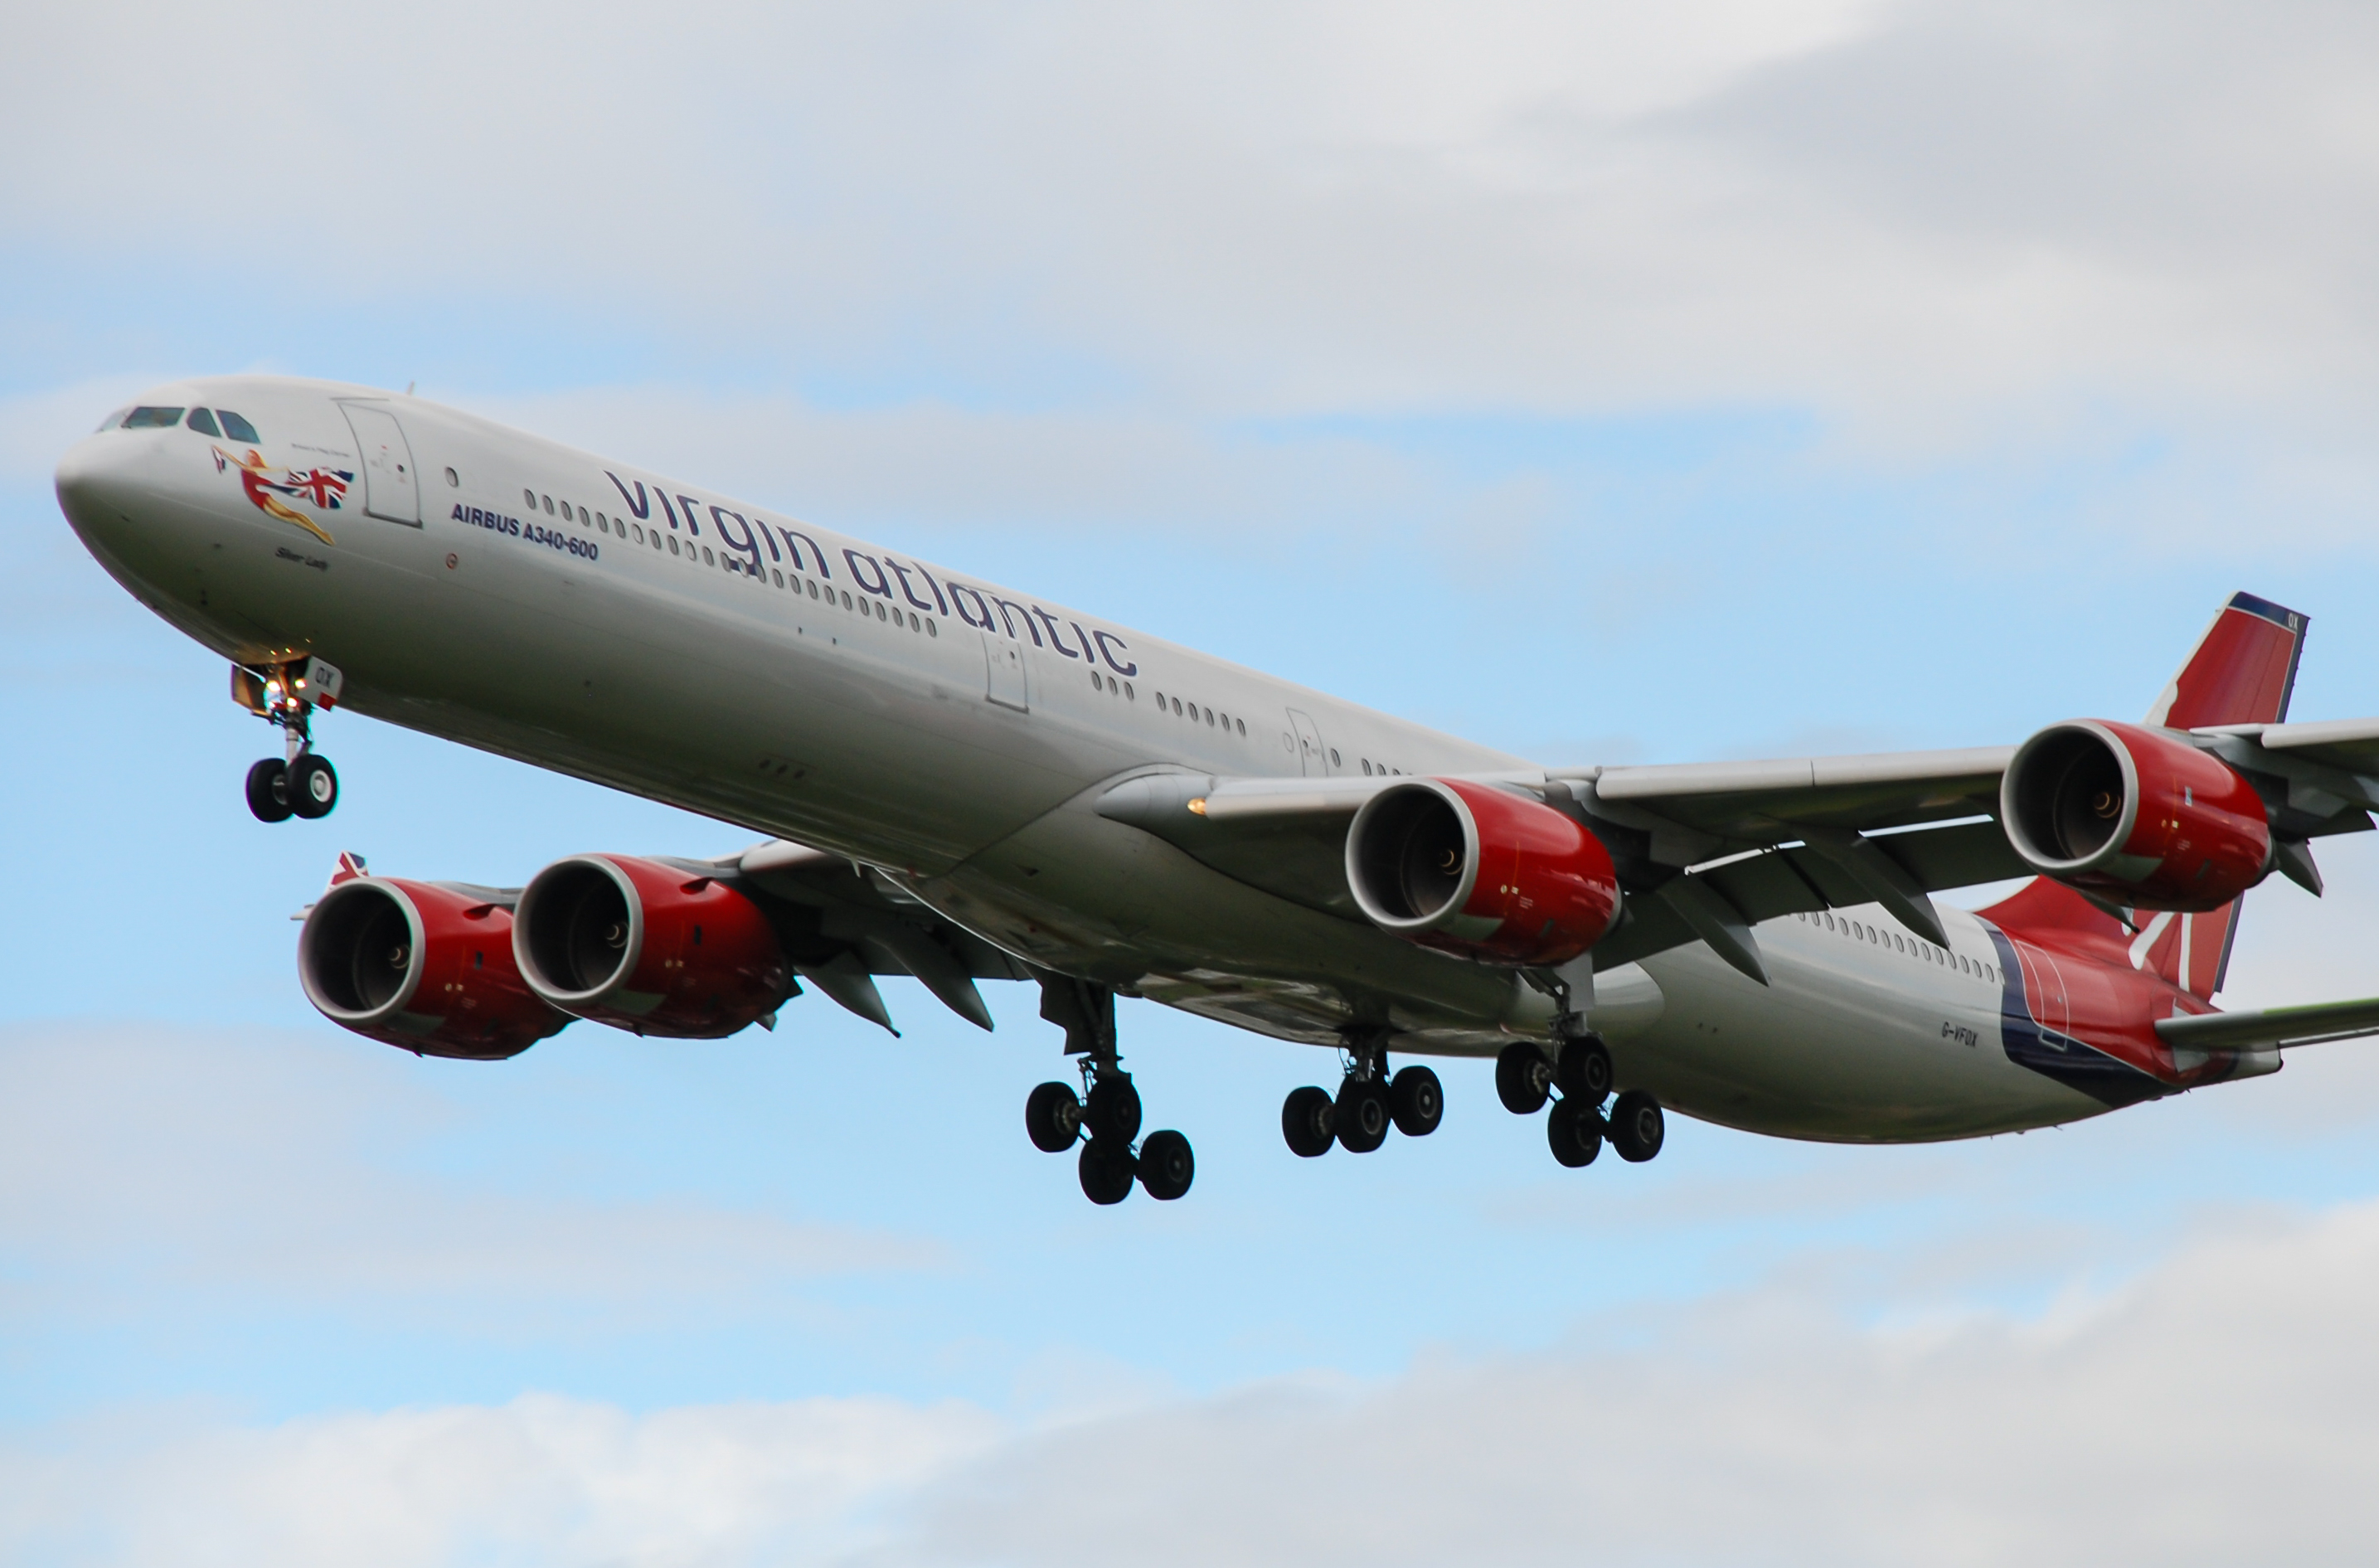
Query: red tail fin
x,y
2241,672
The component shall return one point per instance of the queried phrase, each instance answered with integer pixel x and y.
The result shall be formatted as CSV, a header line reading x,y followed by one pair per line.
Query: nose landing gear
x,y
302,784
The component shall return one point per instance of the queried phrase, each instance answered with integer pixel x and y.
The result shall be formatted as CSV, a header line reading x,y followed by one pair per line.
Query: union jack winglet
x,y
351,865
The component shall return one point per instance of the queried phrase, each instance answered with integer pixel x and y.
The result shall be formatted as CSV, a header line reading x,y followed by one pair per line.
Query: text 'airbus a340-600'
x,y
959,781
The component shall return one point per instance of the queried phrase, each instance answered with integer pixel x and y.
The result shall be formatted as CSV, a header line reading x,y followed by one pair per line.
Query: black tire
x,y
1583,1070
1053,1118
1522,1076
1105,1170
268,796
1114,1108
1309,1120
1416,1100
1575,1133
313,786
1363,1115
1637,1127
1167,1166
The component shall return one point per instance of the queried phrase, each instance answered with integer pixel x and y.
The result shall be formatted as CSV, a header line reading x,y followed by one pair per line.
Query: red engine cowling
x,y
1479,872
2147,821
421,967
648,947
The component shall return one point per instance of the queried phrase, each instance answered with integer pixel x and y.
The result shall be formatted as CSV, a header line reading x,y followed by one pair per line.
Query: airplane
x,y
959,781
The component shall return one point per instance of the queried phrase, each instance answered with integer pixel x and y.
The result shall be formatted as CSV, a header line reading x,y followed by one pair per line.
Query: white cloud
x,y
197,1162
541,1480
2215,1409
1945,222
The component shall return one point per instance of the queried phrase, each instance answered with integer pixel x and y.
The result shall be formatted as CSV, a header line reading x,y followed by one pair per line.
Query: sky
x,y
1609,384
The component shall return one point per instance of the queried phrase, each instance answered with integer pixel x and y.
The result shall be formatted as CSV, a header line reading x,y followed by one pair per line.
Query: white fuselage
x,y
954,734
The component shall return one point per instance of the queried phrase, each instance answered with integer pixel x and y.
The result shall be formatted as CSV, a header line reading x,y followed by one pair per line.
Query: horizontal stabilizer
x,y
2271,1027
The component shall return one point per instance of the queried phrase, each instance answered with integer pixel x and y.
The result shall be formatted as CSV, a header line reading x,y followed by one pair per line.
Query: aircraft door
x,y
1311,760
391,491
1003,659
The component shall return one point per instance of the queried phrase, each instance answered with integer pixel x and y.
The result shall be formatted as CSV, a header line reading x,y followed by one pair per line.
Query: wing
x,y
845,924
1705,850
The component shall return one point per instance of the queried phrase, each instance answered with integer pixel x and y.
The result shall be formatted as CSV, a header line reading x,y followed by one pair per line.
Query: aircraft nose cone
x,y
92,481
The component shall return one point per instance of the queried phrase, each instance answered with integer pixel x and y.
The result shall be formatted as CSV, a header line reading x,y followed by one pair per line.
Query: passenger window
x,y
454,480
1367,767
846,601
1210,719
1243,726
528,499
1128,695
813,588
933,629
202,422
549,506
673,544
1177,707
582,518
1097,685
706,560
236,428
153,418
779,577
1333,757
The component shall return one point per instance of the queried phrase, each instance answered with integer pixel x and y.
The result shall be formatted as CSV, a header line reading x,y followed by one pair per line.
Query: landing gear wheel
x,y
1416,1100
1636,1126
1309,1120
1105,1170
1167,1166
1053,1117
268,795
1522,1077
313,786
1583,1070
1363,1115
1114,1109
1574,1132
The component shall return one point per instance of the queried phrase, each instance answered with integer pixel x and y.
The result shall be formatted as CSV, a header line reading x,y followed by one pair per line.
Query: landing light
x,y
1199,805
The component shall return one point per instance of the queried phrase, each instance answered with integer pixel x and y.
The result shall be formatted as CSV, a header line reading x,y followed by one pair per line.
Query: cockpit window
x,y
202,422
111,421
145,419
236,428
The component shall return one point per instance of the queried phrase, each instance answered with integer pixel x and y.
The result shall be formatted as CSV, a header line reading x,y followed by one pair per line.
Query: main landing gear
x,y
1367,1103
1526,1077
1104,1118
303,784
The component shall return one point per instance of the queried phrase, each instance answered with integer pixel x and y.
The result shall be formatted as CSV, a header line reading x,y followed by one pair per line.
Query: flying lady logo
x,y
321,486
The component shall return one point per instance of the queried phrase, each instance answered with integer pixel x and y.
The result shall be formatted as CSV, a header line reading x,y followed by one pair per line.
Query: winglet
x,y
351,865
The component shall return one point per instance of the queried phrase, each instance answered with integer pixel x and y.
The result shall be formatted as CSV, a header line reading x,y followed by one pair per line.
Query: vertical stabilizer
x,y
2242,672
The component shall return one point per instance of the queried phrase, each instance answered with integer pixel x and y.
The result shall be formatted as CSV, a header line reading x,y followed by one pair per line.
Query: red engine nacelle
x,y
422,967
2143,819
644,946
1479,872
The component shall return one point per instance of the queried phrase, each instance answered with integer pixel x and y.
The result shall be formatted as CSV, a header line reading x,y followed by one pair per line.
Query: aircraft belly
x,y
1845,1044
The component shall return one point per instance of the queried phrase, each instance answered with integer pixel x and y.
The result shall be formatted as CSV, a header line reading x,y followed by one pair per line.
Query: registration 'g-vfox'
x,y
959,781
